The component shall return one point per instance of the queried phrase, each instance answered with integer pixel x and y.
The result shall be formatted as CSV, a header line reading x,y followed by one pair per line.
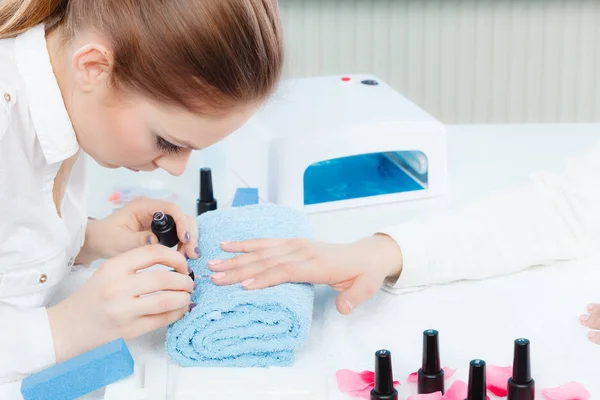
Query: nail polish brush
x,y
206,201
431,374
384,378
477,389
163,226
521,385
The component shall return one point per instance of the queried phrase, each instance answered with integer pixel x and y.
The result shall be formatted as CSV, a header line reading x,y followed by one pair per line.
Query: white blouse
x,y
37,246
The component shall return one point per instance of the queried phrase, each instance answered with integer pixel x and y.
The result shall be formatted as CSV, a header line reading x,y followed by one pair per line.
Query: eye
x,y
167,147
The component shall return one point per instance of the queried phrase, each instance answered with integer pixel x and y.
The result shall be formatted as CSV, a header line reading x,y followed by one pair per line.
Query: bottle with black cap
x,y
521,385
163,226
477,389
206,201
431,374
384,378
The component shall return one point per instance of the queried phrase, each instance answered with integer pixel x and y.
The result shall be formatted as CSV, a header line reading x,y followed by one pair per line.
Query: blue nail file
x,y
80,375
245,197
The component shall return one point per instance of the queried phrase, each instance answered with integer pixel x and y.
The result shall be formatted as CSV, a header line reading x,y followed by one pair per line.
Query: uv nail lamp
x,y
334,142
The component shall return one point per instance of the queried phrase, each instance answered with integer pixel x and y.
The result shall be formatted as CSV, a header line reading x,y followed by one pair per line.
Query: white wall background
x,y
465,61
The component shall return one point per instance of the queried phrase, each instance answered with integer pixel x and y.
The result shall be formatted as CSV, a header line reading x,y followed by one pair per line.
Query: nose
x,y
174,164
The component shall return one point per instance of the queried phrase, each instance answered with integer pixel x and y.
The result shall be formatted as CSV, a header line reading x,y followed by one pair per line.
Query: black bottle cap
x,y
206,186
431,352
521,362
384,379
477,386
206,200
163,226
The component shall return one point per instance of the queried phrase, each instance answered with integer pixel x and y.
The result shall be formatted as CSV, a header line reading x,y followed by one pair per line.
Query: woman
x,y
135,84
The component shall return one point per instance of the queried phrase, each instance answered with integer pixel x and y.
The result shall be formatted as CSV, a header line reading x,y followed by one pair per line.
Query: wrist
x,y
385,255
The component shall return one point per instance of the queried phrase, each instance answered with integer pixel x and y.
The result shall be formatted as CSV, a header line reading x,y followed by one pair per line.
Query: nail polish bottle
x,y
521,385
430,377
163,226
206,201
384,378
477,389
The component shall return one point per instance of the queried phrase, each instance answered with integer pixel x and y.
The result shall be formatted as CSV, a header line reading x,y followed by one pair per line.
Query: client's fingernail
x,y
187,237
590,308
584,318
224,243
214,262
197,251
248,282
149,240
192,306
218,275
348,304
591,335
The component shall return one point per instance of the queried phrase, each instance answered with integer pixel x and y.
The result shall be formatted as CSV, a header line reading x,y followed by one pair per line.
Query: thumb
x,y
146,237
361,290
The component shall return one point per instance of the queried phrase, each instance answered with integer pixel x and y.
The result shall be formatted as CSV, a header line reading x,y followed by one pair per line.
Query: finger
x,y
160,303
264,256
191,247
160,280
147,256
150,323
186,226
594,337
265,272
246,246
593,309
363,288
146,237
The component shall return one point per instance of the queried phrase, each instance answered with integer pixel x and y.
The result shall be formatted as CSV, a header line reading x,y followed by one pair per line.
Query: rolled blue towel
x,y
234,327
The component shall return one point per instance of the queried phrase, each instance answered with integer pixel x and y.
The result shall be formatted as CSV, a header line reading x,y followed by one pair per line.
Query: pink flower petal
x,y
497,379
428,396
357,384
568,391
413,377
448,372
457,391
350,381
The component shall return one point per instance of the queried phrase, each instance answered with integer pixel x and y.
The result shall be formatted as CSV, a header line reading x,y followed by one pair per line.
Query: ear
x,y
92,65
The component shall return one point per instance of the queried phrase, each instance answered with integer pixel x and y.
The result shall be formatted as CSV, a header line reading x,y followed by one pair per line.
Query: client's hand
x,y
357,270
129,227
117,301
592,320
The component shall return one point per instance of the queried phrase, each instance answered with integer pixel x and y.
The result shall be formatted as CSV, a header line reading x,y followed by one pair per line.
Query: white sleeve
x,y
26,343
553,217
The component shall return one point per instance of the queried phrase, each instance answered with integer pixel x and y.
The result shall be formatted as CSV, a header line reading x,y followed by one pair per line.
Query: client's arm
x,y
552,217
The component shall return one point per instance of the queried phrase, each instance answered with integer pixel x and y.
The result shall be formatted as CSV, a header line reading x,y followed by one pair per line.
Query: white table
x,y
474,318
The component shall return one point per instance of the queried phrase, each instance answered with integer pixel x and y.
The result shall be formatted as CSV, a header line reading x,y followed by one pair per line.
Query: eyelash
x,y
167,147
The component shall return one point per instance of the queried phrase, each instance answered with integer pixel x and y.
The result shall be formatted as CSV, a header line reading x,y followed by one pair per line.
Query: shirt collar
x,y
46,106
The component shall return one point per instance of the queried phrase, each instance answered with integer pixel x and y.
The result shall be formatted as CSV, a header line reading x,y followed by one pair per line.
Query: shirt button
x,y
71,261
43,278
7,97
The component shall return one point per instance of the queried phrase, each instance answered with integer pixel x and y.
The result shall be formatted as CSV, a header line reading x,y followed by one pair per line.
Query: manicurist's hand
x,y
357,270
129,227
119,302
592,321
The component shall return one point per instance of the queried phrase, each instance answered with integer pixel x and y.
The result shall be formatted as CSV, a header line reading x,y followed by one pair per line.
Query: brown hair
x,y
190,53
